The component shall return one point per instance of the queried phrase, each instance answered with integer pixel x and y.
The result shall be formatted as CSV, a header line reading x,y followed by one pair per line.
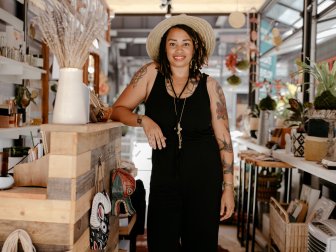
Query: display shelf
x,y
11,19
14,133
300,163
12,71
307,166
251,144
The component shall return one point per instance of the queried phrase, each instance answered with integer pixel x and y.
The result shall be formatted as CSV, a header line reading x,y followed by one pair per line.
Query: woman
x,y
187,126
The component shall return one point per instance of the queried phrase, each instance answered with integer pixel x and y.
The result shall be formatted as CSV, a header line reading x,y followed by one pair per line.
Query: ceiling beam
x,y
143,30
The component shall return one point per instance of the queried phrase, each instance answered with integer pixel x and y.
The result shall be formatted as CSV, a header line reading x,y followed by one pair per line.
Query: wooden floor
x,y
227,240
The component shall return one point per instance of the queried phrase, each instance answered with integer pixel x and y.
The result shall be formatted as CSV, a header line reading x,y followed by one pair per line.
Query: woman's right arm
x,y
132,96
135,93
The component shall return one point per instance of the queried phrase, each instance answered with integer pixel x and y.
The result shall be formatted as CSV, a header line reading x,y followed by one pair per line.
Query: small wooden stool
x,y
256,163
243,156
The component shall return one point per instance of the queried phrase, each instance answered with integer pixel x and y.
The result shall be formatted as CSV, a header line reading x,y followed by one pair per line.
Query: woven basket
x,y
268,184
316,148
289,237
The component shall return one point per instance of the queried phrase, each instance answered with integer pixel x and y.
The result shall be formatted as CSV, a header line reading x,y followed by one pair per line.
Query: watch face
x,y
139,120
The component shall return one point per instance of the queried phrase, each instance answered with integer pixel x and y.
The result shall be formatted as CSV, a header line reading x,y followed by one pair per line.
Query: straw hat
x,y
200,25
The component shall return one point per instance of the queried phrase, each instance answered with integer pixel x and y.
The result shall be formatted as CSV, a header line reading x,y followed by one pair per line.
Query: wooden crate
x,y
288,237
57,217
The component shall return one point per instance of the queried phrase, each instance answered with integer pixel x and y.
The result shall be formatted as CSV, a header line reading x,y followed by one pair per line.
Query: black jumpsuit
x,y
185,187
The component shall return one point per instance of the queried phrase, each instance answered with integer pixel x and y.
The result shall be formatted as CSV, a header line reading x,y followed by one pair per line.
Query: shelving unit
x,y
251,144
308,166
14,133
12,71
10,19
300,163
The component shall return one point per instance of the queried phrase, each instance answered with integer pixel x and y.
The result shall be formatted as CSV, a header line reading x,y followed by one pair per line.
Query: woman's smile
x,y
179,47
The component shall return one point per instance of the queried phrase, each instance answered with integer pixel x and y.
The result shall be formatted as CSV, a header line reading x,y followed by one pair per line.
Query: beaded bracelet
x,y
228,184
225,184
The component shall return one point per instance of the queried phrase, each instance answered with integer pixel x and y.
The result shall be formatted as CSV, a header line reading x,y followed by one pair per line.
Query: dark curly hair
x,y
199,58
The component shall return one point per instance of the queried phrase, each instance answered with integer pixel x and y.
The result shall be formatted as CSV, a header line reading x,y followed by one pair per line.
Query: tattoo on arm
x,y
138,75
221,106
225,145
227,168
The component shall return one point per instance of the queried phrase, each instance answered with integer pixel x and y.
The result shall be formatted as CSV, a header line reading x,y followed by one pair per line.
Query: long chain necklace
x,y
178,127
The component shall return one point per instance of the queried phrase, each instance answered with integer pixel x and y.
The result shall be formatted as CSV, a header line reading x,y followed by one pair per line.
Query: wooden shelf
x,y
12,71
13,133
251,144
11,19
81,128
307,166
24,193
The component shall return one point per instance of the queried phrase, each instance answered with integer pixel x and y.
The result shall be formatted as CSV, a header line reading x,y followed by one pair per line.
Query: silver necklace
x,y
178,127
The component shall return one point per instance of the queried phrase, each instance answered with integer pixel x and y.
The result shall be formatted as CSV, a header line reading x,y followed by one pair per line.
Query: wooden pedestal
x,y
57,217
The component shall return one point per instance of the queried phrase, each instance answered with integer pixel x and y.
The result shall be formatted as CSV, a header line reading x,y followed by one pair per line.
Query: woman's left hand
x,y
227,204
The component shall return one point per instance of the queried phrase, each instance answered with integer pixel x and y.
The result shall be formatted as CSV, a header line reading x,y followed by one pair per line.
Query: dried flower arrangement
x,y
70,27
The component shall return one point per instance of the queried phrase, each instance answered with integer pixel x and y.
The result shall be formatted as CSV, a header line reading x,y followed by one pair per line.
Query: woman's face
x,y
179,47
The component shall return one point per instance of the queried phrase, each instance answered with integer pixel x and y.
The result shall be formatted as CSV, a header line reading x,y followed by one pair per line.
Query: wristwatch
x,y
139,120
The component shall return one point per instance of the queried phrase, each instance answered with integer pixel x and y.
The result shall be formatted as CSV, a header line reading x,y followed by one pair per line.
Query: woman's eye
x,y
172,44
186,44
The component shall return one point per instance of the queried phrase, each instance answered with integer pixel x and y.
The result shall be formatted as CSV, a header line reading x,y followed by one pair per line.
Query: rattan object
x,y
287,236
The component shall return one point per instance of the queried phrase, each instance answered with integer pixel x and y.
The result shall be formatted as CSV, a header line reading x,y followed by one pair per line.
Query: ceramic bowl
x,y
6,182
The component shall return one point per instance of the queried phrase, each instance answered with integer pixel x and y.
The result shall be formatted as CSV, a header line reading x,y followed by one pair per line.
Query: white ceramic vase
x,y
72,99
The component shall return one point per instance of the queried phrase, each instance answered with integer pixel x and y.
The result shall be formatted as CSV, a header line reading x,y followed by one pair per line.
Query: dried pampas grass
x,y
69,27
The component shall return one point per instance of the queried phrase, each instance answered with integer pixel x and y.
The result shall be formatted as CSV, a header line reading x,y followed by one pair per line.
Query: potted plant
x,y
254,120
298,119
325,99
298,116
267,106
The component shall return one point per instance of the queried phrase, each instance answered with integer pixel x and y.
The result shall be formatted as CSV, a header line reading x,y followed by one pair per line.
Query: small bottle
x,y
4,164
11,112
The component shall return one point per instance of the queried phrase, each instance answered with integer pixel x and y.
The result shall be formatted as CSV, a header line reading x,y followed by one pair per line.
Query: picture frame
x,y
310,196
321,210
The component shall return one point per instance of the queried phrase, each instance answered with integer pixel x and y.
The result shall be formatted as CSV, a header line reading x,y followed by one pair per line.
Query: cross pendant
x,y
179,129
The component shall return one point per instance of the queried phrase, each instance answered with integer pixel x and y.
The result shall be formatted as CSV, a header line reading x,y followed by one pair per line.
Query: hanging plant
x,y
242,65
267,103
231,62
234,80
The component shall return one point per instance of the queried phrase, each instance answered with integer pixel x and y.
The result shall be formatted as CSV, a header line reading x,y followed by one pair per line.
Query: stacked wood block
x,y
57,217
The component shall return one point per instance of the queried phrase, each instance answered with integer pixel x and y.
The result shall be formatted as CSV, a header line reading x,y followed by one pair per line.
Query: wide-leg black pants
x,y
184,205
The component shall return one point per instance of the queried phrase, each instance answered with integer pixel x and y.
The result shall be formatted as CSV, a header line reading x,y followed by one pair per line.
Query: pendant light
x,y
237,18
